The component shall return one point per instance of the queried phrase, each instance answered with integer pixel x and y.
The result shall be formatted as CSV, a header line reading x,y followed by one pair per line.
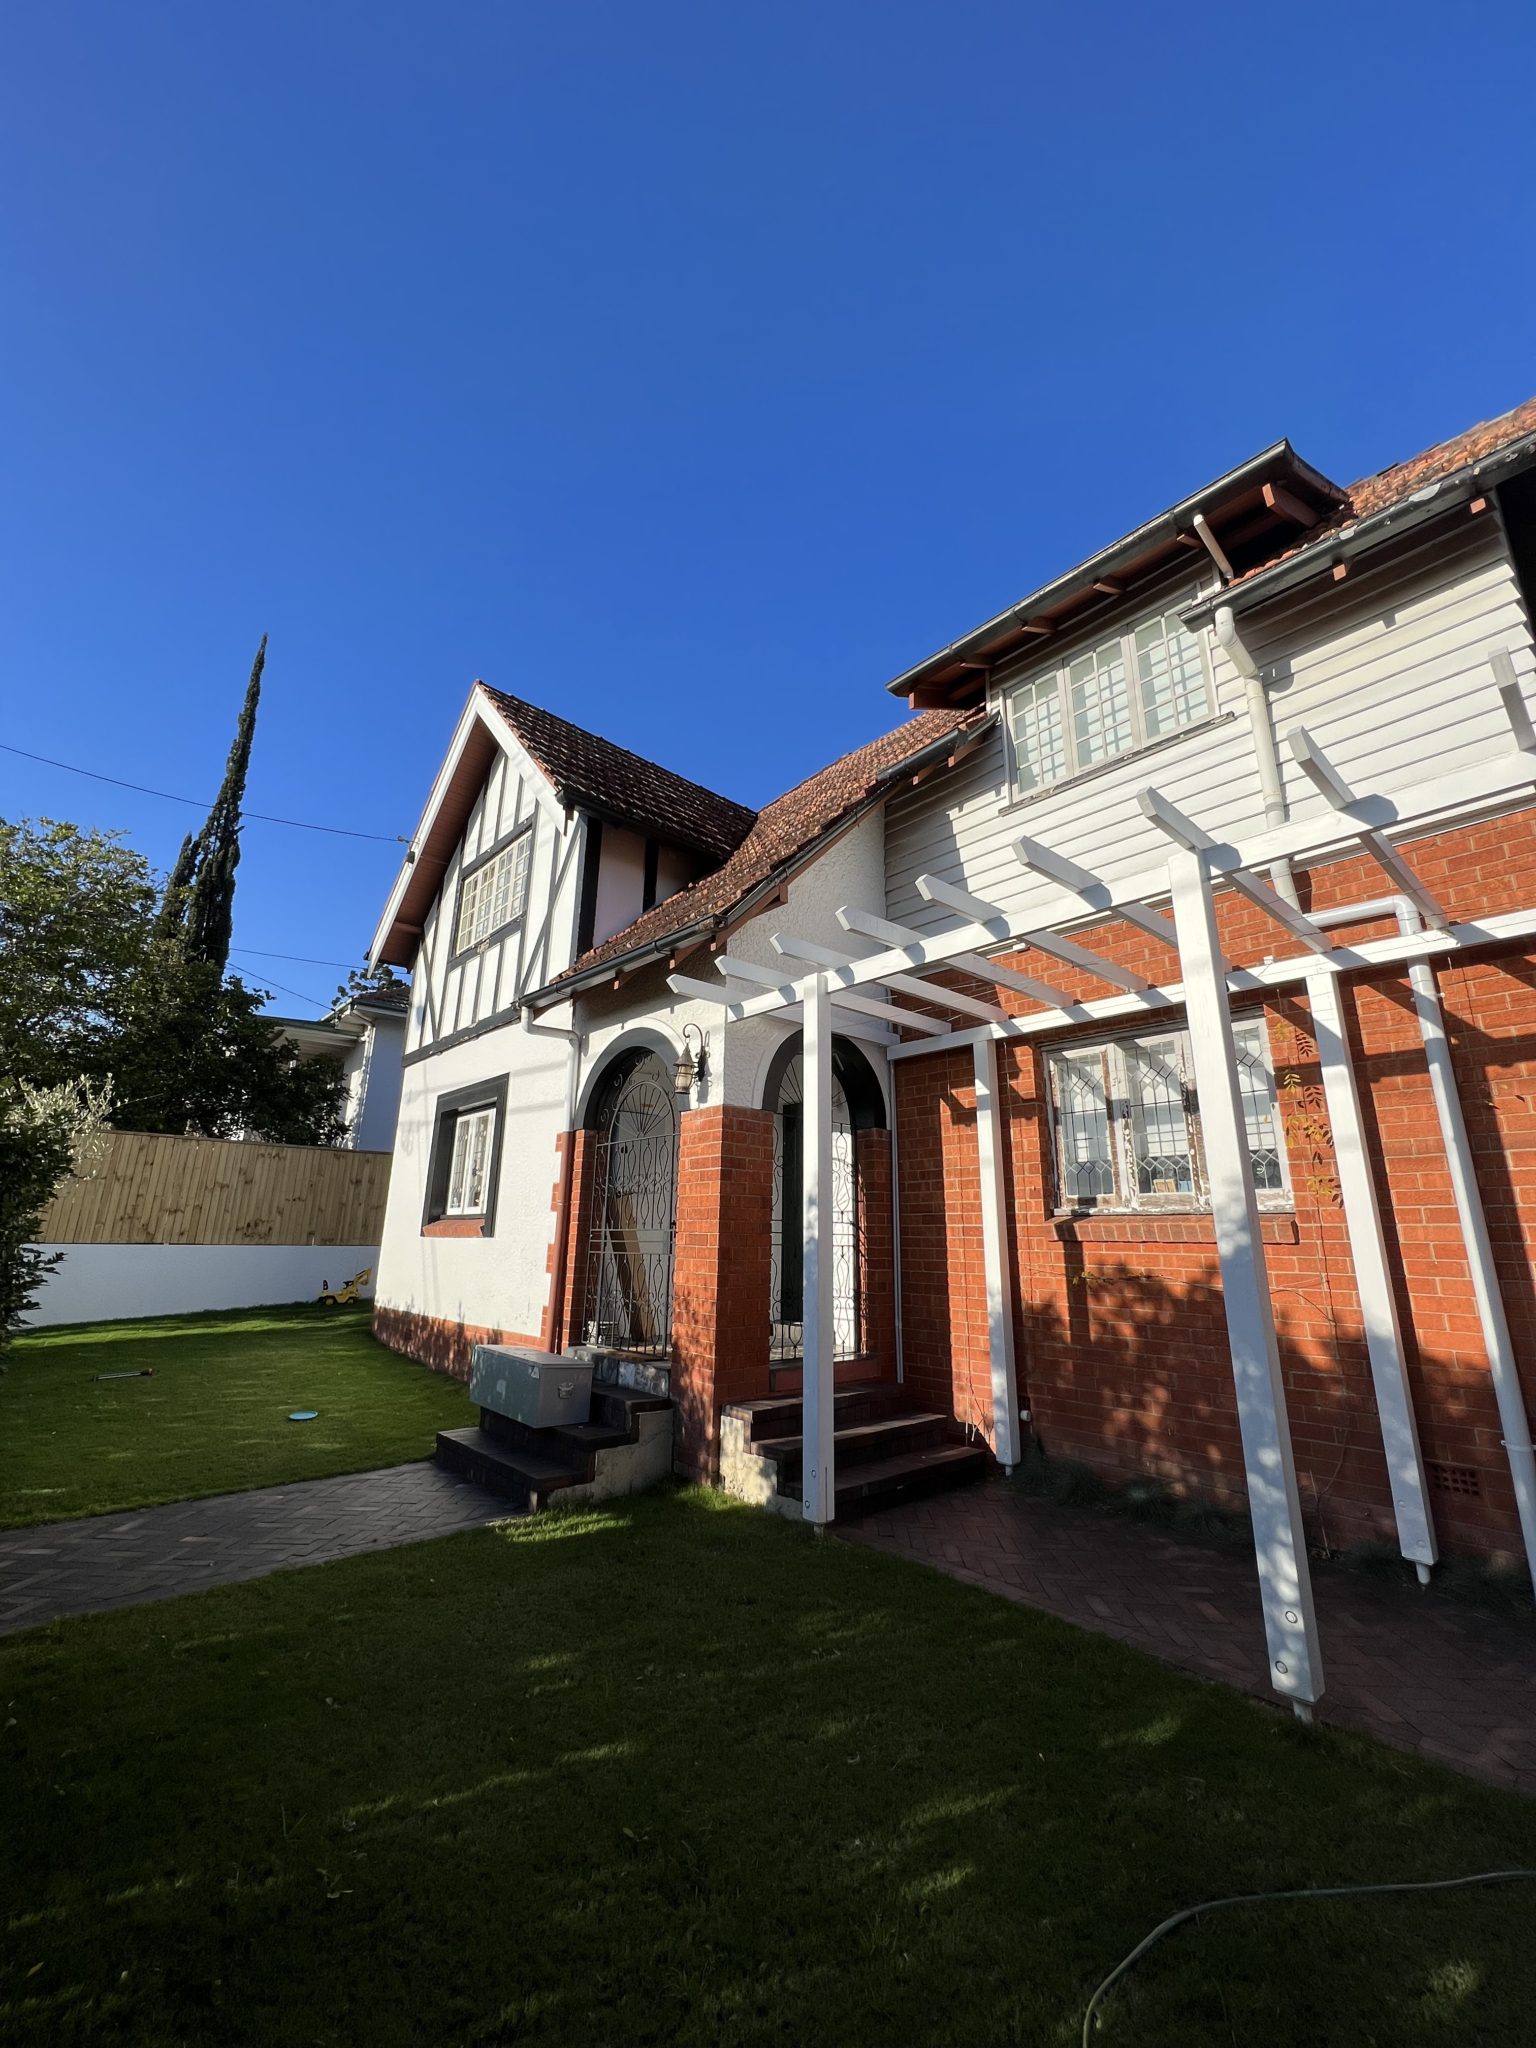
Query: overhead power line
x,y
265,817
304,959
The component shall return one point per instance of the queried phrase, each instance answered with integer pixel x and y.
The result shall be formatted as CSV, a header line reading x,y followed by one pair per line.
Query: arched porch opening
x,y
631,1121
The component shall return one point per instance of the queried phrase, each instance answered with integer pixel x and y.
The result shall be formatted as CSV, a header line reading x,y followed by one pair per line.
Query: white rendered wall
x,y
104,1282
499,1282
373,1085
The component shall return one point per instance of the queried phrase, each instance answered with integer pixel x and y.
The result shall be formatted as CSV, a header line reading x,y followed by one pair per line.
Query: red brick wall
x,y
435,1341
720,1273
1121,1337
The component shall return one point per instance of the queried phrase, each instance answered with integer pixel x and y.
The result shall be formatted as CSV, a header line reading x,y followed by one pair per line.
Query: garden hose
x,y
1336,1891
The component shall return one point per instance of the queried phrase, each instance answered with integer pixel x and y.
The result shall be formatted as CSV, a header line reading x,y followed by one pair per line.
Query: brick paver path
x,y
1454,1683
108,1561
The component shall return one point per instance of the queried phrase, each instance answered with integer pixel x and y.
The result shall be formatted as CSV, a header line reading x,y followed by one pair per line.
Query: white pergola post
x,y
1285,1582
1006,1444
818,1500
1368,1250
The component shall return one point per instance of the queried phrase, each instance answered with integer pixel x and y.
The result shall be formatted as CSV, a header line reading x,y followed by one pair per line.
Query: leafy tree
x,y
92,987
200,896
362,982
76,927
46,1134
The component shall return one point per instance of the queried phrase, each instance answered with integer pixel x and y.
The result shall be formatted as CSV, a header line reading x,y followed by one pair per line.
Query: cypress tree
x,y
200,896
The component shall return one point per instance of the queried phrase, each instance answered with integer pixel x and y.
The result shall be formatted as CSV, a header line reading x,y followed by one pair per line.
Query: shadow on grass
x,y
673,1771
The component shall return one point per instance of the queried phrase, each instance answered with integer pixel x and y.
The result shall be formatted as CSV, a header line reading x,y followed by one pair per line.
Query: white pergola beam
x,y
1007,1442
1040,859
1279,1539
1061,948
1373,1275
1330,784
869,926
1513,698
934,889
818,1411
1193,838
899,984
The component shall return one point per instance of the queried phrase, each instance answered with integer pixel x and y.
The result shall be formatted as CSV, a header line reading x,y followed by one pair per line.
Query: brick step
x,y
521,1476
861,1443
778,1415
906,1477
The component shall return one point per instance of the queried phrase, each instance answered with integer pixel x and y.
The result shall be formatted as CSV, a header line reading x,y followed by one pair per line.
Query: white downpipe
x,y
1507,1392
1261,723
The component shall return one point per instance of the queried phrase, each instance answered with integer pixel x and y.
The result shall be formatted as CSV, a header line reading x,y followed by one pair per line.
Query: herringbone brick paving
x,y
108,1561
1415,1669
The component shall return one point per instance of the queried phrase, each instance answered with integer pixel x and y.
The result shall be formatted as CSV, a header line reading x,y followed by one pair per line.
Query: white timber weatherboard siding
x,y
1388,670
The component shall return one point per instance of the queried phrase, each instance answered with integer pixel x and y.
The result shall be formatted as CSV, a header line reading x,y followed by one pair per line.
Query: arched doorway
x,y
856,1105
627,1284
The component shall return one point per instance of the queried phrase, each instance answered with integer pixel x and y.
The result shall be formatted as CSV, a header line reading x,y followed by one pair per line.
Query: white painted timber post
x,y
1503,1362
1373,1277
818,1501
1279,1540
1006,1447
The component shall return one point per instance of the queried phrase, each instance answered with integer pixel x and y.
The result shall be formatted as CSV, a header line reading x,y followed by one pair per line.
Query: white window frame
x,y
469,1170
1115,1057
1069,754
493,895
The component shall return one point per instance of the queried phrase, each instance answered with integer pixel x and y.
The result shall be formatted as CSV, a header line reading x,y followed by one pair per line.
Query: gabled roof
x,y
1419,486
591,773
583,771
784,835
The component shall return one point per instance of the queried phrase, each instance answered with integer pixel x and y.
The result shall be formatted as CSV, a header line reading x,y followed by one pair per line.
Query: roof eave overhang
x,y
1349,543
977,649
703,927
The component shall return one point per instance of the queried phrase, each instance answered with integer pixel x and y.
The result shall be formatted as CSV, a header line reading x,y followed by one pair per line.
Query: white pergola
x,y
821,988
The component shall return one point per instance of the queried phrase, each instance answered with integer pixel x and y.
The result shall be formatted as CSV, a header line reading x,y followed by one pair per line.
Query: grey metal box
x,y
536,1388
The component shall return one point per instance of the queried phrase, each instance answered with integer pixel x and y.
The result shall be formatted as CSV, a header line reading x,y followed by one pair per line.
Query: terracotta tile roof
x,y
787,827
585,768
1394,486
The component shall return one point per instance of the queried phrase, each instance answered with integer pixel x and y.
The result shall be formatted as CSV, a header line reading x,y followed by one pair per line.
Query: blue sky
x,y
689,369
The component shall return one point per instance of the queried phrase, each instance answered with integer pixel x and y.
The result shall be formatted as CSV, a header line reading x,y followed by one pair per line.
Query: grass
x,y
214,1419
674,1771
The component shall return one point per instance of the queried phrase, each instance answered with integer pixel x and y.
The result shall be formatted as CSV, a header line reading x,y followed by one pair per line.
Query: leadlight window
x,y
1127,1122
494,894
469,1172
1133,688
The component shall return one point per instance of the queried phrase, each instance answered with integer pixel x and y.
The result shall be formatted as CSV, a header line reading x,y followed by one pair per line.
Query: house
x,y
1157,1003
366,1034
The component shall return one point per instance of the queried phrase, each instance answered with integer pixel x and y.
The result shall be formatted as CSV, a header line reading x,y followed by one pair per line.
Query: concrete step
x,y
523,1477
908,1476
861,1443
777,1416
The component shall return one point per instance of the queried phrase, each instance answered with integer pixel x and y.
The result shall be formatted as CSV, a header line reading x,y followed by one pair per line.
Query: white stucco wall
x,y
104,1282
503,1281
373,1075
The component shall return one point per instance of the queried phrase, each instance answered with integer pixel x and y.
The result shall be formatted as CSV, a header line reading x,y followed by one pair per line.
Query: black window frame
x,y
446,1111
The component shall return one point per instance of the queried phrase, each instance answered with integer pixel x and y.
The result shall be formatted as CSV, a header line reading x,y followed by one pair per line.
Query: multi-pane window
x,y
469,1171
494,894
1133,688
1127,1122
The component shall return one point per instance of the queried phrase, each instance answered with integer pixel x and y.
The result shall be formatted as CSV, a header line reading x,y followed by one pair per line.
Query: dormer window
x,y
1133,688
494,894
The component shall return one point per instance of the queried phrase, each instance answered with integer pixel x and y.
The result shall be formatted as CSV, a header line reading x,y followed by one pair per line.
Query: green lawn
x,y
675,1771
214,1419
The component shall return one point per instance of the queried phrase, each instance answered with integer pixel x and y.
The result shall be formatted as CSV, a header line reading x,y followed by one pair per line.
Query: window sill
x,y
455,1226
1146,1227
478,947
1024,801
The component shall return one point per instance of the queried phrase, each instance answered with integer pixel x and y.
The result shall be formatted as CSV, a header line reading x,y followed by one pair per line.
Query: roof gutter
x,y
712,921
1330,550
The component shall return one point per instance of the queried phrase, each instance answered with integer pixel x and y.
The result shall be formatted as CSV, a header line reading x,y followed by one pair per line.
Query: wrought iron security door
x,y
787,1280
628,1292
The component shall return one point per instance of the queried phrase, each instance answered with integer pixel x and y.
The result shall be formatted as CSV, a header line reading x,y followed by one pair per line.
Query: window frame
x,y
463,1106
1073,768
477,873
1127,1198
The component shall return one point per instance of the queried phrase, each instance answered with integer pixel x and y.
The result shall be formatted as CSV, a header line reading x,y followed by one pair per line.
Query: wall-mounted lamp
x,y
691,1067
